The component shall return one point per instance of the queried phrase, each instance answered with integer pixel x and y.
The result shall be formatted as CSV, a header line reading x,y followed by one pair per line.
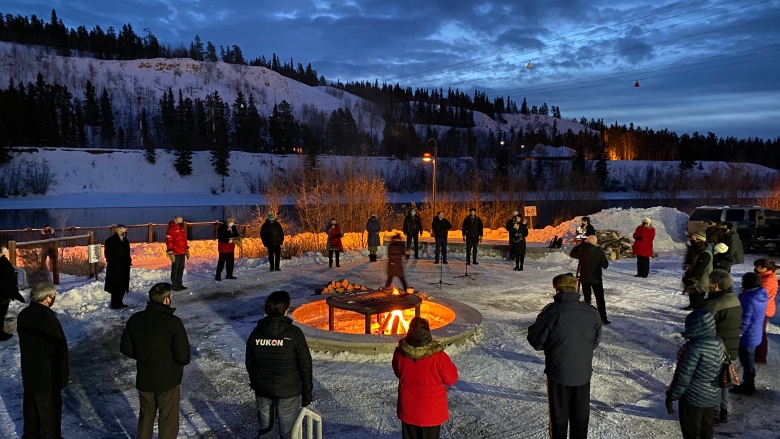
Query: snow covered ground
x,y
500,393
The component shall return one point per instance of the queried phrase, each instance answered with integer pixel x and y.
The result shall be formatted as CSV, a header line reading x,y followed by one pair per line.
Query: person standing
x,y
721,258
592,261
568,331
423,370
279,366
518,231
118,263
731,238
177,250
49,249
373,227
9,290
272,235
696,277
413,230
696,376
227,237
44,351
727,312
440,227
333,230
586,228
395,261
472,235
157,340
753,299
509,224
643,247
766,269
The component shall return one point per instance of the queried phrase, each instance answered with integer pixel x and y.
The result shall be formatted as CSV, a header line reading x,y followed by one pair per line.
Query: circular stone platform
x,y
464,324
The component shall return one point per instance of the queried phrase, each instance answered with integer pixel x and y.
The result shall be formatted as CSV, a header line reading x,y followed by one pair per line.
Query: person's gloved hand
x,y
669,404
306,398
171,256
187,255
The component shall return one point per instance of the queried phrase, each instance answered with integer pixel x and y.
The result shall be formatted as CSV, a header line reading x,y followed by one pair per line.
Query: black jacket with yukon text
x,y
568,331
278,360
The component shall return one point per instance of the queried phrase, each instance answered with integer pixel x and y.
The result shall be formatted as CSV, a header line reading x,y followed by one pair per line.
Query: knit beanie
x,y
419,333
721,248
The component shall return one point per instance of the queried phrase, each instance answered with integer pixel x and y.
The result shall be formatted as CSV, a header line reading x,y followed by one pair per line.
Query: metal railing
x,y
311,418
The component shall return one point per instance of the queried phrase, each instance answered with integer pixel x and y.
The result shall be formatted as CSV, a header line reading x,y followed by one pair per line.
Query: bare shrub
x,y
37,177
11,183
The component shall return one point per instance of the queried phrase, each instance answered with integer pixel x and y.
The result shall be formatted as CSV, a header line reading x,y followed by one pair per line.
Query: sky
x,y
706,66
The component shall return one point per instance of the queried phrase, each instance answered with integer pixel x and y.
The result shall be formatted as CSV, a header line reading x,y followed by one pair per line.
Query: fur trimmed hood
x,y
418,353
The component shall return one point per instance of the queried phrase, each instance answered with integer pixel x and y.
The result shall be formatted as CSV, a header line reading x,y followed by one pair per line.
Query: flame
x,y
389,318
396,292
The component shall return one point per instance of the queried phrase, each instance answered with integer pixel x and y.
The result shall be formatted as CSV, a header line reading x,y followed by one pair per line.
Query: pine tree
x,y
602,170
211,53
524,107
218,137
150,153
107,129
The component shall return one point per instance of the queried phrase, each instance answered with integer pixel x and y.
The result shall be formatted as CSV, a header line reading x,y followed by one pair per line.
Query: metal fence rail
x,y
312,419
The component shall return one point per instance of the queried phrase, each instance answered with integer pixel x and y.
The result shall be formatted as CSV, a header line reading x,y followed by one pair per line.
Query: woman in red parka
x,y
423,369
766,269
334,241
643,247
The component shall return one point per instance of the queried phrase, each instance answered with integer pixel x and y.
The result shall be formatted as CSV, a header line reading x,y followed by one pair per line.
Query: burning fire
x,y
393,322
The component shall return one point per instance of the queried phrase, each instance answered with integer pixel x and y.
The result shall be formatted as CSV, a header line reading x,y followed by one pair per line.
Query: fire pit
x,y
384,304
358,331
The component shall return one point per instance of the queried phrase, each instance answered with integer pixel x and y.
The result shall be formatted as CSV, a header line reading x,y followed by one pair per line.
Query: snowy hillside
x,y
148,79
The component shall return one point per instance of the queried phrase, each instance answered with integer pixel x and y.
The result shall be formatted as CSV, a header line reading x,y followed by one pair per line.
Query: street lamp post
x,y
428,158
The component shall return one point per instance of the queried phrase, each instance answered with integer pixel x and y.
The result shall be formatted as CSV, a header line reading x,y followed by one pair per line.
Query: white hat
x,y
515,213
721,248
647,220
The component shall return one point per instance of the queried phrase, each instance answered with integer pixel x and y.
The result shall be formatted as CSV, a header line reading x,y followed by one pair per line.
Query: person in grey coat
x,y
373,227
695,380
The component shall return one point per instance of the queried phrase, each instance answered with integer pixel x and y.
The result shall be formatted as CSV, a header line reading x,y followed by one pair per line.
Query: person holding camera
x,y
49,249
118,262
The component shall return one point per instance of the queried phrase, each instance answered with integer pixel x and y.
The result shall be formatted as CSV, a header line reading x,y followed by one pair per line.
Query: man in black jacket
x,y
592,261
568,331
472,235
279,366
44,351
272,235
157,340
118,262
413,230
440,227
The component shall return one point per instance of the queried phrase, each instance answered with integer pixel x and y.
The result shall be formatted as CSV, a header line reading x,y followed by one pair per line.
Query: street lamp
x,y
428,158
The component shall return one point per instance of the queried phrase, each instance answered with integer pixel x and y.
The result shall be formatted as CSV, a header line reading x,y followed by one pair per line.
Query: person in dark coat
x,y
395,261
49,249
440,227
727,312
696,376
509,223
157,340
44,351
568,331
279,366
472,235
643,247
592,261
413,229
721,258
753,299
423,370
696,277
373,228
333,230
118,262
272,235
518,231
731,238
177,250
9,290
227,238
586,228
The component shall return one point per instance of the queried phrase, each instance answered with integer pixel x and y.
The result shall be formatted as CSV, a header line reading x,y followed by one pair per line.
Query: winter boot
x,y
330,259
337,259
722,418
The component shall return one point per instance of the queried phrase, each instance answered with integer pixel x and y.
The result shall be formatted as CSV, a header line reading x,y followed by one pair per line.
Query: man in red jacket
x,y
643,247
177,250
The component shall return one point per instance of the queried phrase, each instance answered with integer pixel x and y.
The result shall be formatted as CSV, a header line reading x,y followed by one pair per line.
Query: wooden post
x,y
150,227
55,266
92,265
12,252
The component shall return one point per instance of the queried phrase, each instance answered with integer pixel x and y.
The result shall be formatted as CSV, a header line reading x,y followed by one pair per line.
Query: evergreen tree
x,y
218,136
107,129
211,53
602,170
91,109
196,49
150,153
